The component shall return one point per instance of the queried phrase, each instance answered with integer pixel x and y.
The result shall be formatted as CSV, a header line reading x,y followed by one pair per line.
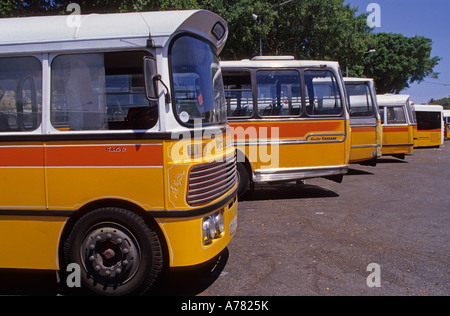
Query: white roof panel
x,y
392,99
115,30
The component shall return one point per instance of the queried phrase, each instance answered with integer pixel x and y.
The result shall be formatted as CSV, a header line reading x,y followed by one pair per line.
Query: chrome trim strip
x,y
282,174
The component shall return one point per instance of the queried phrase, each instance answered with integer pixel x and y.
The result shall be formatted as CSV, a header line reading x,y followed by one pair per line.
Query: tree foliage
x,y
400,61
306,29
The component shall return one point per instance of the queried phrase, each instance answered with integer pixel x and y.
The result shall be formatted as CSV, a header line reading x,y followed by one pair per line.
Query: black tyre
x,y
118,253
243,179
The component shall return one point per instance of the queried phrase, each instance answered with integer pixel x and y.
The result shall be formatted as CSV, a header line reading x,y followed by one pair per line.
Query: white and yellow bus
x,y
113,147
365,121
446,123
398,125
430,125
289,119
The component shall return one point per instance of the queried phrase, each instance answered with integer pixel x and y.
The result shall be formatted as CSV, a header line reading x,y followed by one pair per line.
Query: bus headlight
x,y
209,229
219,223
213,226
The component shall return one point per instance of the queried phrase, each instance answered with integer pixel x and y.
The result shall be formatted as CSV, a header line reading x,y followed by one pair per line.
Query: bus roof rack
x,y
273,58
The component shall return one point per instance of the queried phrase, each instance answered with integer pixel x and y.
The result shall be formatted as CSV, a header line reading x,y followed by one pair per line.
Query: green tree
x,y
321,29
400,61
307,29
445,102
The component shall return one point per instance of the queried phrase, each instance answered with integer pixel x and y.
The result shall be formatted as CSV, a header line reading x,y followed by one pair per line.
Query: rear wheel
x,y
243,179
118,253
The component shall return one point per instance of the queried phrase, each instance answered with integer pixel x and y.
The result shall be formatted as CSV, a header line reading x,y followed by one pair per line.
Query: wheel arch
x,y
118,203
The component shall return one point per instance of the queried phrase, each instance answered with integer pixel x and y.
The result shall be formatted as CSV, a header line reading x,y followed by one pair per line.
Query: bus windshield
x,y
197,81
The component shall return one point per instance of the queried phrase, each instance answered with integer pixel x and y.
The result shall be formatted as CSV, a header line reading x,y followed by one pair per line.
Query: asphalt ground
x,y
319,238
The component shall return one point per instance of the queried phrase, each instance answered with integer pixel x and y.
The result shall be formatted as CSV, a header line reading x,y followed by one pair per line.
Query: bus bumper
x,y
186,241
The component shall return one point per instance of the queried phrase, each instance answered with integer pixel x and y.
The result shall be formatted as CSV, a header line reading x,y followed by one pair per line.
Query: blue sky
x,y
429,18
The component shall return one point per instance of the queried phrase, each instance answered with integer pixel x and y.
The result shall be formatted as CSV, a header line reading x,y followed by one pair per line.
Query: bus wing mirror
x,y
151,75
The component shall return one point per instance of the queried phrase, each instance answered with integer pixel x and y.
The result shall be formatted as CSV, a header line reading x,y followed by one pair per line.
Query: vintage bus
x,y
113,149
430,125
289,119
398,125
365,121
446,123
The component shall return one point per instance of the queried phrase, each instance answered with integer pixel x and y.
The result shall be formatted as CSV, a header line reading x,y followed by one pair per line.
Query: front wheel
x,y
118,253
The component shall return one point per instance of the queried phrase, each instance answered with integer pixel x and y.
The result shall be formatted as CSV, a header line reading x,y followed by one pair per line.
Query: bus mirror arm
x,y
167,97
151,80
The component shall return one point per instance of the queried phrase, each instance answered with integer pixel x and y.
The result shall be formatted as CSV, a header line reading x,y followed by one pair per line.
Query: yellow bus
x,y
289,119
113,147
365,121
446,123
430,125
398,127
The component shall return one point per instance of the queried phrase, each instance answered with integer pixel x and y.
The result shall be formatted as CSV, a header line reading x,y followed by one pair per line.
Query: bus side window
x,y
100,91
238,93
20,94
279,93
396,115
322,93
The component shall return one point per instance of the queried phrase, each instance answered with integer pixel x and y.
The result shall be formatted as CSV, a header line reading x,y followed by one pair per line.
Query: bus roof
x,y
356,80
446,113
100,31
277,61
392,99
428,108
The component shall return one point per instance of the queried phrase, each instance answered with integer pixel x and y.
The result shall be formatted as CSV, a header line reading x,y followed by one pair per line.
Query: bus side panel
x,y
397,140
28,242
364,143
22,176
81,173
292,144
429,138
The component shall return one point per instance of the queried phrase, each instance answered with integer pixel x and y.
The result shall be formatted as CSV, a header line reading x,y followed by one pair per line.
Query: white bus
x,y
100,161
430,125
447,123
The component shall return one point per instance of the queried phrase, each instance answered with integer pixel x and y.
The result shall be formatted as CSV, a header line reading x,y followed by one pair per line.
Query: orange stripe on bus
x,y
21,157
114,155
80,156
286,129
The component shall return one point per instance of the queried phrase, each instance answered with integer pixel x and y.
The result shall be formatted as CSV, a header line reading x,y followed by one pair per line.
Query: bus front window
x,y
196,81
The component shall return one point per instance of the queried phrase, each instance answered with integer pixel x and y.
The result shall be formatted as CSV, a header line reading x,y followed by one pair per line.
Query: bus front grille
x,y
209,181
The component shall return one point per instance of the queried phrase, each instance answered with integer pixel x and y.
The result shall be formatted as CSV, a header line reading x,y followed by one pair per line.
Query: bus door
x,y
364,123
396,136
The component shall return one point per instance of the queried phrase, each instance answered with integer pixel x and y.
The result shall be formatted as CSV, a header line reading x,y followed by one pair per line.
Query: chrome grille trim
x,y
209,181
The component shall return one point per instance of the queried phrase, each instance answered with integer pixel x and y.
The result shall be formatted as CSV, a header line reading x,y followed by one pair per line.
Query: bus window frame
x,y
255,91
38,130
369,96
171,78
252,82
340,89
303,113
51,129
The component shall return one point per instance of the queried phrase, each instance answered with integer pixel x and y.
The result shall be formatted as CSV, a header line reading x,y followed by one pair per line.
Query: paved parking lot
x,y
320,237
